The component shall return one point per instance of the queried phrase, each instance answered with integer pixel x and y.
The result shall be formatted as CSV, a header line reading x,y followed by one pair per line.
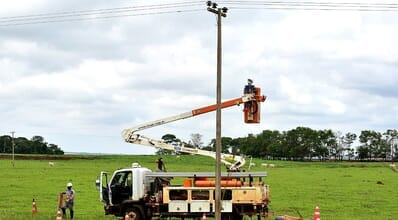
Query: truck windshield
x,y
122,179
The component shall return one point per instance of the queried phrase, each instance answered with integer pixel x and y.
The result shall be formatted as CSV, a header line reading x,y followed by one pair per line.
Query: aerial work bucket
x,y
252,109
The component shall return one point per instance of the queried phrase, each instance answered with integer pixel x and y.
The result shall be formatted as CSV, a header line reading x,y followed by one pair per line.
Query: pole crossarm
x,y
217,12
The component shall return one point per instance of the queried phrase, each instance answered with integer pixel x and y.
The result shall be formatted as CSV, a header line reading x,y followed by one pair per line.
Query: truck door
x,y
104,187
121,187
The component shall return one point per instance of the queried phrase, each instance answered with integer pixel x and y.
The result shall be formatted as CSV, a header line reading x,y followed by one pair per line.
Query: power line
x,y
94,12
304,2
312,5
97,18
189,6
99,13
312,9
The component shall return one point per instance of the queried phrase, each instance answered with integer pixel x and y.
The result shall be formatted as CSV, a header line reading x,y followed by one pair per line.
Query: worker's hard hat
x,y
69,185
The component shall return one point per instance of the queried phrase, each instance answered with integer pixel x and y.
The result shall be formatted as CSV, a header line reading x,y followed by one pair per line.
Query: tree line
x,y
303,143
22,145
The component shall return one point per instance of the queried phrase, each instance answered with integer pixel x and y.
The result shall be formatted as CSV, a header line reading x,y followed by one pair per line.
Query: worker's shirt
x,y
70,196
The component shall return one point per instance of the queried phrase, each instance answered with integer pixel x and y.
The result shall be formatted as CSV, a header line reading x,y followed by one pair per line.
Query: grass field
x,y
342,190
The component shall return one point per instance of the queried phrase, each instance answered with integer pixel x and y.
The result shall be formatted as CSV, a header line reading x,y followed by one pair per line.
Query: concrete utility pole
x,y
220,12
13,146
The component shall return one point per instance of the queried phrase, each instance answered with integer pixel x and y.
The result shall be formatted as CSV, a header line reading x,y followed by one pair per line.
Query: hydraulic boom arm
x,y
251,98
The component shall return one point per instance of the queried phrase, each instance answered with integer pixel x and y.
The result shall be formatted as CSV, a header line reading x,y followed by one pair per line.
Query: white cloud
x,y
20,6
336,106
79,84
18,47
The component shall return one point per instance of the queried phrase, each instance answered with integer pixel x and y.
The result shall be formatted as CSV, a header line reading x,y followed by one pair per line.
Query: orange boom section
x,y
251,108
211,108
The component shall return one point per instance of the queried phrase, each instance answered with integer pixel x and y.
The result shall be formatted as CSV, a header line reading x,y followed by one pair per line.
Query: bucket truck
x,y
139,193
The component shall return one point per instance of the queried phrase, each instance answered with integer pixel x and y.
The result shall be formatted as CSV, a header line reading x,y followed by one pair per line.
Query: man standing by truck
x,y
69,200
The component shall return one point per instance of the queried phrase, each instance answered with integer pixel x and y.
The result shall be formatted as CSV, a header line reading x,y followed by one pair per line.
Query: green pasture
x,y
343,190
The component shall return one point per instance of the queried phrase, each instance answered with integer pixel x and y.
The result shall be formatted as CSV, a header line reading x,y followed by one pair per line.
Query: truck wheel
x,y
134,213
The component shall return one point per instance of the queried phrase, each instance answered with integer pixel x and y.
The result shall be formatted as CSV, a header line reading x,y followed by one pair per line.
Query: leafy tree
x,y
384,149
275,149
301,142
363,152
347,141
326,141
247,145
5,144
225,144
372,141
169,139
54,149
268,141
22,145
37,139
391,134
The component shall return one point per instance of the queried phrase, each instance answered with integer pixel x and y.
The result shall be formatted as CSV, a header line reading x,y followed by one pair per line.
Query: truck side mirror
x,y
97,184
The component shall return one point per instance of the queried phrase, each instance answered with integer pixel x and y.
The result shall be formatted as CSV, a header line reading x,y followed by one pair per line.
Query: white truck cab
x,y
125,184
145,194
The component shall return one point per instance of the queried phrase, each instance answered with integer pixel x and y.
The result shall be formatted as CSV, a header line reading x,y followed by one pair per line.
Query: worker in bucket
x,y
69,200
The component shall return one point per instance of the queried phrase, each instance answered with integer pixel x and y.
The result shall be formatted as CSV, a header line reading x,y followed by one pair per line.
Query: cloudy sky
x,y
80,83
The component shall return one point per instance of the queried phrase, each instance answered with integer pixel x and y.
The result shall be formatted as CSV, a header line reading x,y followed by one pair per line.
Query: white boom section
x,y
238,161
128,134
